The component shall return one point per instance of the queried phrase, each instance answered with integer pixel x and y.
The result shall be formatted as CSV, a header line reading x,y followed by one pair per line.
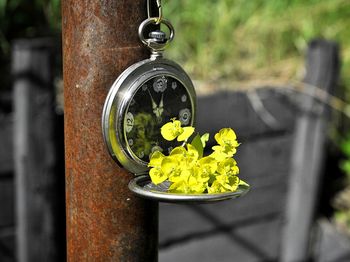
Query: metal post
x,y
105,221
308,152
35,152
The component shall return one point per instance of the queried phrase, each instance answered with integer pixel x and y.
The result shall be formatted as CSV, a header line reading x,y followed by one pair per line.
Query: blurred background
x,y
278,72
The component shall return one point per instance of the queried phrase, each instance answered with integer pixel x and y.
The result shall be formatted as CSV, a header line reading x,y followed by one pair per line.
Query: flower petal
x,y
156,159
167,131
171,130
157,176
187,132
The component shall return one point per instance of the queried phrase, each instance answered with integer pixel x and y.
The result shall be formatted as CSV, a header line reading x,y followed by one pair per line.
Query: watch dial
x,y
155,103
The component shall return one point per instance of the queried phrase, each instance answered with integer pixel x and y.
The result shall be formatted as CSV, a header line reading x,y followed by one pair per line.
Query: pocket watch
x,y
142,99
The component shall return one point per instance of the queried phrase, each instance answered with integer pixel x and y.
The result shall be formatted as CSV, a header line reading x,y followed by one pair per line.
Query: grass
x,y
241,40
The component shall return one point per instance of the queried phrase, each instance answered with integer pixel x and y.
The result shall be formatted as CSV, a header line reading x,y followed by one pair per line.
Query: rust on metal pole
x,y
105,221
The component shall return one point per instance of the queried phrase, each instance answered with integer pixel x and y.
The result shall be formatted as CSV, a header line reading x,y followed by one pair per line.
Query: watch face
x,y
155,103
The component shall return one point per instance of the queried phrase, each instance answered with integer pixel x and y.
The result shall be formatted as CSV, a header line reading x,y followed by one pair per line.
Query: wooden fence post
x,y
105,221
34,151
322,68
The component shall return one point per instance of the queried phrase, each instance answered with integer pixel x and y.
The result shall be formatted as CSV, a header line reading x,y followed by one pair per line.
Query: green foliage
x,y
24,18
345,164
227,39
341,202
186,168
343,220
244,40
197,144
27,18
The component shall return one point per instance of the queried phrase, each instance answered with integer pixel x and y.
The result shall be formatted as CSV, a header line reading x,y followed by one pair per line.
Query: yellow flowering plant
x,y
188,171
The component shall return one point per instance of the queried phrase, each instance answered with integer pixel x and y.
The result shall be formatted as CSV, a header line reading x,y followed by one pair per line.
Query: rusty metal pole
x,y
105,221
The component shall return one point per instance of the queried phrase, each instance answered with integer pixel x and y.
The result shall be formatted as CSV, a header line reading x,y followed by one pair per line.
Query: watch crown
x,y
158,36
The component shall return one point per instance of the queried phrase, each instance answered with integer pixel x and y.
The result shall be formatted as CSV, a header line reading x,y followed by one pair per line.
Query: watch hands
x,y
154,105
157,110
160,107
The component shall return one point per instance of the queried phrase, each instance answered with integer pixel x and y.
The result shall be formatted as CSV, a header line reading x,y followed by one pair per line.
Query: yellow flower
x,y
209,164
216,187
191,156
218,153
196,186
205,169
226,136
157,176
178,187
187,132
173,130
188,171
188,186
224,183
233,183
174,169
169,165
156,159
227,144
179,176
179,153
228,167
156,173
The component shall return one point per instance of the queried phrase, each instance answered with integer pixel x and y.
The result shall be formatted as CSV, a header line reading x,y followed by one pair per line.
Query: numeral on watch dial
x,y
129,122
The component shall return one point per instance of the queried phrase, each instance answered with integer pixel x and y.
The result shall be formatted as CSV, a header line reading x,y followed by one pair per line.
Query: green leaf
x,y
3,4
345,147
243,184
205,139
197,144
345,166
